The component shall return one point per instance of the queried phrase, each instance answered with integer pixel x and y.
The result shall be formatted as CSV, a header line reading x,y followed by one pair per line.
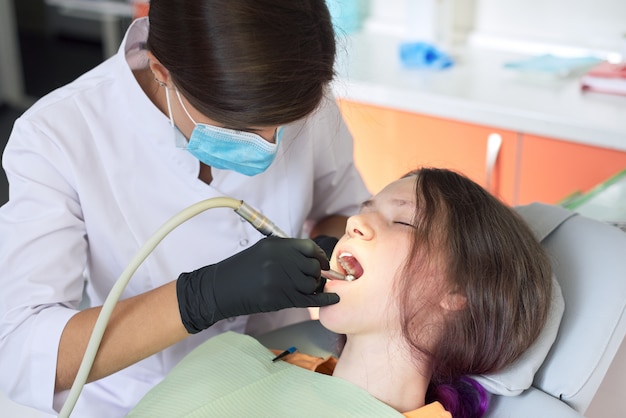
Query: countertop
x,y
479,90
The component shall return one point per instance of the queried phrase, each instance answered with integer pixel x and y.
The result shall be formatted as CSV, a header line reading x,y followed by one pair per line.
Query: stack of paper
x,y
552,64
606,78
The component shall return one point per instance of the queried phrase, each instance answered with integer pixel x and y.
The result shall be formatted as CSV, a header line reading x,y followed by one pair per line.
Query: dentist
x,y
205,98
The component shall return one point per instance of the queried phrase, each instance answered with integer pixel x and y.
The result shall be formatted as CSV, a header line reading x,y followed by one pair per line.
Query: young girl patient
x,y
449,282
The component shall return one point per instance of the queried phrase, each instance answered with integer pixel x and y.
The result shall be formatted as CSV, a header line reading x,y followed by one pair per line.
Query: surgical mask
x,y
227,149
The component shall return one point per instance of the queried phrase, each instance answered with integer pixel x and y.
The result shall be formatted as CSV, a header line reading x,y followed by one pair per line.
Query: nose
x,y
358,226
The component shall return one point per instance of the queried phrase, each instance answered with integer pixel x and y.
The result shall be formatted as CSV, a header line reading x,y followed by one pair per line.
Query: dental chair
x,y
562,371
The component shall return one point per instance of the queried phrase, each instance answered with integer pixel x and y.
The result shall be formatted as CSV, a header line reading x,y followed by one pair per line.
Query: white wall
x,y
415,18
598,25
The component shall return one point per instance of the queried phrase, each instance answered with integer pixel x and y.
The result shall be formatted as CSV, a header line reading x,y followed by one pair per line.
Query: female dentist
x,y
204,99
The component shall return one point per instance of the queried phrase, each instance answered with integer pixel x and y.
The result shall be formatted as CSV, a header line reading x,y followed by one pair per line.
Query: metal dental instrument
x,y
259,221
333,275
262,224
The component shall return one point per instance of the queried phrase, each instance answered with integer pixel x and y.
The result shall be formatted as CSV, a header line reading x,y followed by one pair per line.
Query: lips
x,y
350,265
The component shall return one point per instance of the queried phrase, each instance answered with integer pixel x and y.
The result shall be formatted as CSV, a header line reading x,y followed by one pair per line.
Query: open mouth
x,y
350,266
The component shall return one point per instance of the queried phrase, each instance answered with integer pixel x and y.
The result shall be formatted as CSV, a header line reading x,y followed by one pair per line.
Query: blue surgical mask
x,y
227,149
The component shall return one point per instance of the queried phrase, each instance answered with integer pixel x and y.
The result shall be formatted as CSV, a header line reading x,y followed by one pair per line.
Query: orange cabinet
x,y
389,143
552,169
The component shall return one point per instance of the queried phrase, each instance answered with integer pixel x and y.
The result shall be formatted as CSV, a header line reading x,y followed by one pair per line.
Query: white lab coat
x,y
94,172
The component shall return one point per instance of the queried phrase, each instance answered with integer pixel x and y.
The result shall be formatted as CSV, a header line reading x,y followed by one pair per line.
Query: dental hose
x,y
255,218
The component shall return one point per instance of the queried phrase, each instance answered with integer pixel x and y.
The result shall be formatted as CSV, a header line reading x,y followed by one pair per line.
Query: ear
x,y
453,301
161,74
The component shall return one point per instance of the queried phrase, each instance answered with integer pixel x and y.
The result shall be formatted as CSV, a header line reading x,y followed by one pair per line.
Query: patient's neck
x,y
385,369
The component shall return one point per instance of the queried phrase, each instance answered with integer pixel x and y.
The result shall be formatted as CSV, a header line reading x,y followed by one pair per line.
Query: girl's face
x,y
374,249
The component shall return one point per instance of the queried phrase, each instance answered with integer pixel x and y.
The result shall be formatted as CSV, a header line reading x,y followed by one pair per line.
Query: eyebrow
x,y
397,202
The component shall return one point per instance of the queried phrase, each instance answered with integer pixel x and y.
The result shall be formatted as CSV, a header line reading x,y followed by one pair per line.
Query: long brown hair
x,y
492,258
246,63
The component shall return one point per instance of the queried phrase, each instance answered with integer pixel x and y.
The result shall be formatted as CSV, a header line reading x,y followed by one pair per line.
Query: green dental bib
x,y
232,375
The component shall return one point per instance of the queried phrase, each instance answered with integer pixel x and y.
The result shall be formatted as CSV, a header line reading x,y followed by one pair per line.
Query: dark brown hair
x,y
493,259
246,63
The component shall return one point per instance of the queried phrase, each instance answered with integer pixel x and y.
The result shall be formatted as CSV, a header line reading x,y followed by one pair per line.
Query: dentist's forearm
x,y
139,327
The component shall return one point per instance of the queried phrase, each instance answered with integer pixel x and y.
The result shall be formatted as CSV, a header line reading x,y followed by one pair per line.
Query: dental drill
x,y
262,224
252,216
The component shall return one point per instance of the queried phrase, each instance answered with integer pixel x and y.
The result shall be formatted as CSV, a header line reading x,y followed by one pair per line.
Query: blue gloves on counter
x,y
424,55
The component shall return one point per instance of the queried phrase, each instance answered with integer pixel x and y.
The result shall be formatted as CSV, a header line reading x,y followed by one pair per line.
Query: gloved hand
x,y
275,273
326,243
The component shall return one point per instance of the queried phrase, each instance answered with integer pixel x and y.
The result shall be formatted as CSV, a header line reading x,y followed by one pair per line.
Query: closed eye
x,y
404,224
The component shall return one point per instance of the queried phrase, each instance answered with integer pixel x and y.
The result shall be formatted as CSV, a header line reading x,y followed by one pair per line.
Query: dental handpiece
x,y
262,224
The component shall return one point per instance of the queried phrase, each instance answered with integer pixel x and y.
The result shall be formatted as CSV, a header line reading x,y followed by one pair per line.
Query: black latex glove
x,y
274,274
326,243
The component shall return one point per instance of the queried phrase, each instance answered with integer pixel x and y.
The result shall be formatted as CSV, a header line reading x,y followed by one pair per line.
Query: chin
x,y
332,318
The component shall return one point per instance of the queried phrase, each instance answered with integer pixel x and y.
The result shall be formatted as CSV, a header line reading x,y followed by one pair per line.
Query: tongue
x,y
351,266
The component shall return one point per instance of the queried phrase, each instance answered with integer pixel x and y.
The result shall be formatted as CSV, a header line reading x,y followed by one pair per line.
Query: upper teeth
x,y
346,266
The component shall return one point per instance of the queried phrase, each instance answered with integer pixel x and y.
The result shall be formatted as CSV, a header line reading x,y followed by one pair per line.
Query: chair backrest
x,y
589,261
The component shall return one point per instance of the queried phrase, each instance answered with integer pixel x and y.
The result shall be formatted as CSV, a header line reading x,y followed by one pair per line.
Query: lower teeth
x,y
350,277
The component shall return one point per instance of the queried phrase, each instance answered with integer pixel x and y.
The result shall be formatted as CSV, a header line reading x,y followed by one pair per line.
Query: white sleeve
x,y
339,188
43,255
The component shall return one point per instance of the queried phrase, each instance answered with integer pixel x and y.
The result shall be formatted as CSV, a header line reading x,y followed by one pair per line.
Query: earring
x,y
162,84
